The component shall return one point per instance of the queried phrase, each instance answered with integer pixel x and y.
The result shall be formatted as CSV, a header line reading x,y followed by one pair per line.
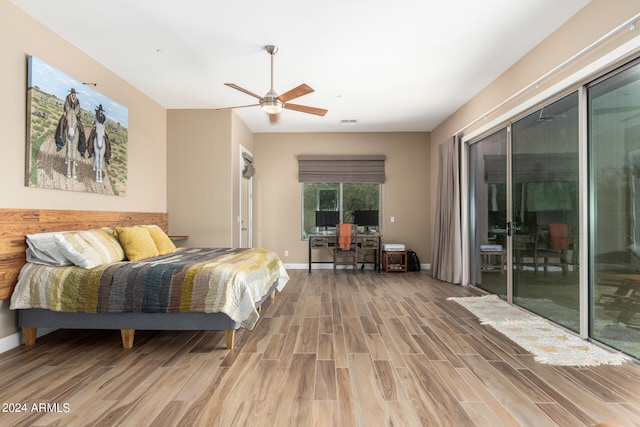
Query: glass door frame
x,y
509,224
585,212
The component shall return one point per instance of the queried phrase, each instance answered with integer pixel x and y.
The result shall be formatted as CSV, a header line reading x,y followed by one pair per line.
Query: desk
x,y
626,297
365,240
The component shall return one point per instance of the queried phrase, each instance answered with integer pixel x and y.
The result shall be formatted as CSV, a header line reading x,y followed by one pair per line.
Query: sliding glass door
x,y
488,222
545,211
526,232
524,209
614,261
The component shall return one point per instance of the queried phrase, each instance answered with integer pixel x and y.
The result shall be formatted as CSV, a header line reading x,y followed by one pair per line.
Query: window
x,y
334,187
345,198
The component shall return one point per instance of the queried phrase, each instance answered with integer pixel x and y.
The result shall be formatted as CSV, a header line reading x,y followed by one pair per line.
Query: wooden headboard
x,y
15,224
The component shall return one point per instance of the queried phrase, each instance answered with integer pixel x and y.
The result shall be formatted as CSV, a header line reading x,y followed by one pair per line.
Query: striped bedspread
x,y
205,280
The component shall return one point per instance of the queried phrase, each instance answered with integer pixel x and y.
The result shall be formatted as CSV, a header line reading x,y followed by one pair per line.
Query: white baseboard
x,y
15,340
329,266
12,341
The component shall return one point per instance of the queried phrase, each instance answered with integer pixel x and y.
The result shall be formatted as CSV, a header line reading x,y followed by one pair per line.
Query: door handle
x,y
509,228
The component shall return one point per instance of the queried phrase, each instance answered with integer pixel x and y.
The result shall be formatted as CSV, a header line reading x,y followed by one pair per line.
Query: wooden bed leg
x,y
230,337
273,294
29,335
127,337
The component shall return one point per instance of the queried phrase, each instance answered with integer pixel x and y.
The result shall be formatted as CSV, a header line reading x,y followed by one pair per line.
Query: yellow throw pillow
x,y
164,244
137,243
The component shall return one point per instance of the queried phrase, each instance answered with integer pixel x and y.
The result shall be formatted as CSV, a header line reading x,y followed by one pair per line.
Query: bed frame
x,y
15,224
30,319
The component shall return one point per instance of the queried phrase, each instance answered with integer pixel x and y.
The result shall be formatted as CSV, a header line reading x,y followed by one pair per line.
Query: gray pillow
x,y
42,249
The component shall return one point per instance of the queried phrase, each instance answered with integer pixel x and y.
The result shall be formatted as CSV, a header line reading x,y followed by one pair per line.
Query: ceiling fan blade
x,y
305,109
237,106
296,92
241,89
274,119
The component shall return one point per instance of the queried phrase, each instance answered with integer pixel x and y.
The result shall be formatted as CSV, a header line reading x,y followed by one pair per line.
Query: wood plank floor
x,y
342,349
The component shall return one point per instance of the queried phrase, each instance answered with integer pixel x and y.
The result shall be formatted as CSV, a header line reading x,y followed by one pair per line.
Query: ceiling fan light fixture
x,y
272,103
271,106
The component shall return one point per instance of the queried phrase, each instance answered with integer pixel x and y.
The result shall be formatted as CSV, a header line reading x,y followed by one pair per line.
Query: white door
x,y
246,202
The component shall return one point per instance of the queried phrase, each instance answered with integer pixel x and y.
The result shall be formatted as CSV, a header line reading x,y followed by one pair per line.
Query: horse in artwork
x,y
70,135
99,147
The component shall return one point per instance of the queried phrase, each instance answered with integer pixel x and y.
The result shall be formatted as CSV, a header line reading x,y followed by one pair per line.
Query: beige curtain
x,y
446,259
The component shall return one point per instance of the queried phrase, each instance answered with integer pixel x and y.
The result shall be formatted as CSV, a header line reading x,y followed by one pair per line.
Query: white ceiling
x,y
404,65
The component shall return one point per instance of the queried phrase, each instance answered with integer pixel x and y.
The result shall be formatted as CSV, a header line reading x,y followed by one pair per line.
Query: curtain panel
x,y
361,169
446,259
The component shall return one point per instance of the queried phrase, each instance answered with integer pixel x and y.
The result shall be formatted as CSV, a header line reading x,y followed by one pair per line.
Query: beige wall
x,y
204,181
278,200
199,176
20,36
203,173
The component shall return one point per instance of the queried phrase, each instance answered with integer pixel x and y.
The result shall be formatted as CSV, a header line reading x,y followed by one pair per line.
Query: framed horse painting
x,y
76,136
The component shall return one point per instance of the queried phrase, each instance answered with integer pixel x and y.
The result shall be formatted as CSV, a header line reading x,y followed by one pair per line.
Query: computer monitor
x,y
327,219
370,218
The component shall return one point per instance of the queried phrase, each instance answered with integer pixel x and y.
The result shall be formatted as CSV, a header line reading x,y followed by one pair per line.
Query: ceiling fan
x,y
272,103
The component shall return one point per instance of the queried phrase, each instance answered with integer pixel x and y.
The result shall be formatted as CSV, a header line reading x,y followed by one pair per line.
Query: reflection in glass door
x,y
488,214
545,212
537,205
614,169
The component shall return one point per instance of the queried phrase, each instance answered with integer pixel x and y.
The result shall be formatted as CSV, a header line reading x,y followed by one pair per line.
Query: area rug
x,y
605,325
549,344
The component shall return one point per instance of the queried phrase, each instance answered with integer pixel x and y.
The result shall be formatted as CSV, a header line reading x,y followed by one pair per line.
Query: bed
x,y
185,289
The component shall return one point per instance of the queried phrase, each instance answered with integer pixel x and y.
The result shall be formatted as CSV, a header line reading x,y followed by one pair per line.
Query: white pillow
x,y
42,249
90,248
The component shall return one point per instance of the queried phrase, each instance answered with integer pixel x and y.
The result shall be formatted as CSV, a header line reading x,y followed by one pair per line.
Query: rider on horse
x,y
71,106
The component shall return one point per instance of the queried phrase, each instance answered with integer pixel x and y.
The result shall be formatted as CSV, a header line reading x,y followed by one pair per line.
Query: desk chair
x,y
523,250
346,250
552,244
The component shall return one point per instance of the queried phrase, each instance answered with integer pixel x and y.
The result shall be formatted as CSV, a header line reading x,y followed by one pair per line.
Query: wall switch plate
x,y
393,219
286,252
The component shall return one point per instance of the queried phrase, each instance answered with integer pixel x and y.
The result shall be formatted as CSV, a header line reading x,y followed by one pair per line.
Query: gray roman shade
x,y
532,167
248,170
334,168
